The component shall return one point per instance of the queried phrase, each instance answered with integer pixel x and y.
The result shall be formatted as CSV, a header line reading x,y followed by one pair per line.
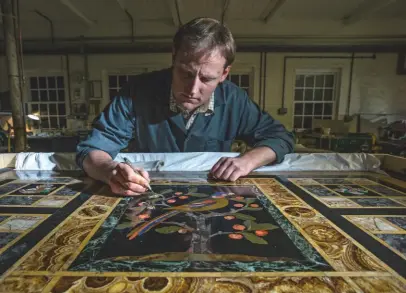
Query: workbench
x,y
281,231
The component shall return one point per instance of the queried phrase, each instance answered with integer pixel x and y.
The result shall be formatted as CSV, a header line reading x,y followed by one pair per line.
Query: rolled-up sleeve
x,y
112,130
258,128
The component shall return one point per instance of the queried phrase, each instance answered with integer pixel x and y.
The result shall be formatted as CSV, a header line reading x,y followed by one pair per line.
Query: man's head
x,y
203,51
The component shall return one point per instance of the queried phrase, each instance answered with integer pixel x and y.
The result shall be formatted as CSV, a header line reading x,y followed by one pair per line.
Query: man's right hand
x,y
124,180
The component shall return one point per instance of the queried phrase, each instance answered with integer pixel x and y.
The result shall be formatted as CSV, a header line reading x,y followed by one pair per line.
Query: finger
x,y
117,188
235,175
127,185
223,167
144,173
217,165
129,175
227,172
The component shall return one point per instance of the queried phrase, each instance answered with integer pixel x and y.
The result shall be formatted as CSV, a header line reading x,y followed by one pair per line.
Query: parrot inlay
x,y
201,228
192,213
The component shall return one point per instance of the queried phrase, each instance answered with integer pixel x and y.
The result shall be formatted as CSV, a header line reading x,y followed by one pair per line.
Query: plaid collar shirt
x,y
206,109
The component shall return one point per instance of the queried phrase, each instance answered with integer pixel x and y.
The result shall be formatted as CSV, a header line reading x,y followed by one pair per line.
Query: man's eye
x,y
207,79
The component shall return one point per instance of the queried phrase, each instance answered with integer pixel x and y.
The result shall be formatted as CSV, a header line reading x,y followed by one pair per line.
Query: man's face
x,y
195,77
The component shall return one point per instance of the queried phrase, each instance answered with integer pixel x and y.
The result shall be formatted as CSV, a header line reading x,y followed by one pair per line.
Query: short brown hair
x,y
205,34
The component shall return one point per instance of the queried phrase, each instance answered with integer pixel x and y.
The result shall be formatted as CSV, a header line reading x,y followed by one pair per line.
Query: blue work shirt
x,y
141,113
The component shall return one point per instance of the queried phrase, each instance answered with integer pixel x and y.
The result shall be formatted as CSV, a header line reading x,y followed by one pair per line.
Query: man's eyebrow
x,y
209,76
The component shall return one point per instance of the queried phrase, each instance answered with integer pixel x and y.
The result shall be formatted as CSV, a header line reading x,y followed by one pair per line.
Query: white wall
x,y
375,88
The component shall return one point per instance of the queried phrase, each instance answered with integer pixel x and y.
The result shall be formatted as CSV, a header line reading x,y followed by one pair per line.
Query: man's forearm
x,y
258,157
98,165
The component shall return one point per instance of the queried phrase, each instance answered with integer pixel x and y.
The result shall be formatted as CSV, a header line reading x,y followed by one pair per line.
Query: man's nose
x,y
193,86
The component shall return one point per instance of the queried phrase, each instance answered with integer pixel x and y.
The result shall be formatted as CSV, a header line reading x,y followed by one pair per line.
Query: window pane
x,y
33,83
113,94
307,122
328,109
52,109
61,109
329,81
319,80
34,107
235,79
122,79
308,95
327,117
318,109
309,81
298,108
299,95
54,122
43,96
42,82
60,82
44,122
318,117
52,95
297,122
318,94
113,81
61,95
308,109
51,82
299,80
328,94
34,96
62,122
245,80
43,109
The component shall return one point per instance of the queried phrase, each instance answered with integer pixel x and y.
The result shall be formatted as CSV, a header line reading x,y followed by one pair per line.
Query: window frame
x,y
28,101
335,94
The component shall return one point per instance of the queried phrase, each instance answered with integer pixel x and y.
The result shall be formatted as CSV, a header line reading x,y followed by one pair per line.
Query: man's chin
x,y
190,105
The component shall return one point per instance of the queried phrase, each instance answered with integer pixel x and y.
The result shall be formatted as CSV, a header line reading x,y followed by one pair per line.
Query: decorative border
x,y
348,198
21,233
282,198
372,234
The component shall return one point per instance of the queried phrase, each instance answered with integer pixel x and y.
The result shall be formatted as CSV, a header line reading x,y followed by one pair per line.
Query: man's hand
x,y
230,169
125,181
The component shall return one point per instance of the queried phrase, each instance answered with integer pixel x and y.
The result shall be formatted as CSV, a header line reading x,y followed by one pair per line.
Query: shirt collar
x,y
208,108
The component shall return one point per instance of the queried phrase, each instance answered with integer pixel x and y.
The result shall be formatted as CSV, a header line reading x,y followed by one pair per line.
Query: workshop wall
x,y
376,88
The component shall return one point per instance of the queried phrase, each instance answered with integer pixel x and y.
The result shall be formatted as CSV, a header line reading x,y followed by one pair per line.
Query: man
x,y
190,107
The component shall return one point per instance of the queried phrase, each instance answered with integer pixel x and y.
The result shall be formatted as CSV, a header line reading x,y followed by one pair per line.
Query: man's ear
x,y
225,73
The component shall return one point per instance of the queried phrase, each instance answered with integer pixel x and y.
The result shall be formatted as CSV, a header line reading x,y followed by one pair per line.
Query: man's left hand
x,y
230,169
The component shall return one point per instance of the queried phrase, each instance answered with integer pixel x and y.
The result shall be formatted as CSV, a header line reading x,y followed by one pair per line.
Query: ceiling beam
x,y
130,17
271,8
365,8
76,11
226,3
121,4
176,11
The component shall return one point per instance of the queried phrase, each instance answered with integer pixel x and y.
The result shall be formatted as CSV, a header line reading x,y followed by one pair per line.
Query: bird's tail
x,y
137,231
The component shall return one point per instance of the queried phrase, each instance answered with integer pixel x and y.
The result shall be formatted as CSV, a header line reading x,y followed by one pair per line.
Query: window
x,y
242,80
314,97
48,99
116,82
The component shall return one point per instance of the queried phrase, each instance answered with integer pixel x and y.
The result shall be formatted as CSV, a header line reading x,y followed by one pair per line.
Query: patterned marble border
x,y
399,231
357,270
339,201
